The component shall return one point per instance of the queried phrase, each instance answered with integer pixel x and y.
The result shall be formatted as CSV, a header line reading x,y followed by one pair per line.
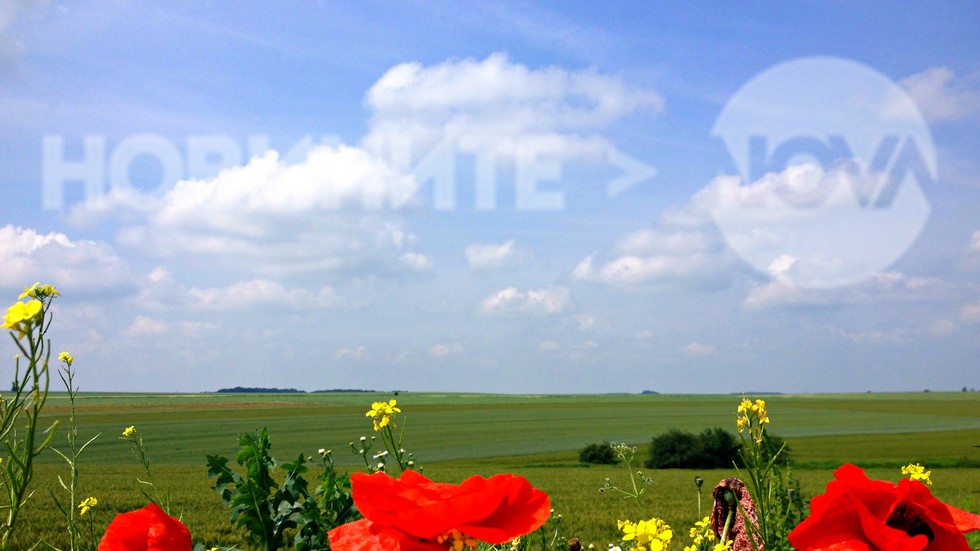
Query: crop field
x,y
456,435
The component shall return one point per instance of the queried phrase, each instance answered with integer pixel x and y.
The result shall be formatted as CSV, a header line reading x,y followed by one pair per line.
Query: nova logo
x,y
833,159
873,186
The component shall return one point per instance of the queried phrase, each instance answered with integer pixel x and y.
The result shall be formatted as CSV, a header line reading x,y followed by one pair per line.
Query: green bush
x,y
718,449
676,449
598,454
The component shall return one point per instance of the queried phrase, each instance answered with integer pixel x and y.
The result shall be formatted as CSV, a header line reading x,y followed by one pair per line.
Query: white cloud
x,y
940,96
695,348
885,286
548,346
585,322
11,48
975,242
197,328
497,89
496,107
73,266
238,295
942,327
636,270
245,294
970,312
416,262
481,256
540,302
774,293
358,353
158,291
874,337
830,221
443,350
330,179
330,212
650,241
144,325
682,248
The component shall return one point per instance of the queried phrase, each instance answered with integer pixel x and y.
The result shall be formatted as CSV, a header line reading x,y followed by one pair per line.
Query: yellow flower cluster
x,y
383,412
39,291
649,535
67,358
752,417
917,472
87,504
701,532
21,316
129,432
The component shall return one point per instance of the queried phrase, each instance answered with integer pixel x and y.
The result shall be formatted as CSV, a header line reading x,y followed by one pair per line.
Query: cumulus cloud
x,y
158,291
874,337
548,346
841,225
690,256
144,326
443,350
498,107
695,348
970,312
975,242
539,302
331,212
781,291
245,294
942,327
941,96
77,266
497,89
11,47
488,256
358,353
416,262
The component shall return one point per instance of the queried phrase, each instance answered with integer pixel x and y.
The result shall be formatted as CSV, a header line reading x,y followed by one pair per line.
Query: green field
x,y
455,435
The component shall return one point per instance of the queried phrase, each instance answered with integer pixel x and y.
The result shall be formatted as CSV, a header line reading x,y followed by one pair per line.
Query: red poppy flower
x,y
148,529
415,513
859,514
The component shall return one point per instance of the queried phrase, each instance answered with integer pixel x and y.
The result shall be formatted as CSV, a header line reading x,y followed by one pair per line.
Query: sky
x,y
550,197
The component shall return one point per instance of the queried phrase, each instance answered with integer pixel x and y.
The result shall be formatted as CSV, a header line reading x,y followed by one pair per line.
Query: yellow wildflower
x,y
701,531
759,408
87,504
917,472
652,535
21,316
66,357
382,413
752,417
39,291
129,432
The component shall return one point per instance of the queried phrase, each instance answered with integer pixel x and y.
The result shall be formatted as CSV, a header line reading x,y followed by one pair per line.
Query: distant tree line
x,y
256,389
274,390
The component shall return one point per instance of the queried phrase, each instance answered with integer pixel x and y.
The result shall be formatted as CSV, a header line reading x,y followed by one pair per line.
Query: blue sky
x,y
497,197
